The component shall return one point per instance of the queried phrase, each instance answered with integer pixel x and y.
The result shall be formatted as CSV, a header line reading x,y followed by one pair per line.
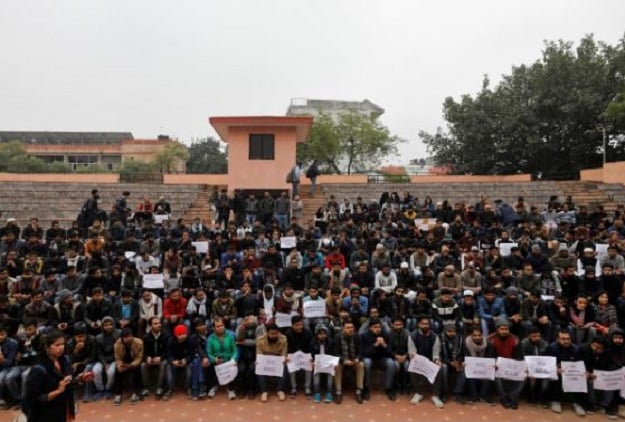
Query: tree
x,y
539,119
351,143
171,154
206,156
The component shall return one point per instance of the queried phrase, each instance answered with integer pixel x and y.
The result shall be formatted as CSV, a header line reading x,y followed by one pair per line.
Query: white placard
x,y
504,248
542,367
601,249
423,224
608,380
422,365
574,377
130,254
283,320
269,365
288,242
315,308
547,298
153,281
226,372
325,364
298,361
511,369
159,218
479,368
201,247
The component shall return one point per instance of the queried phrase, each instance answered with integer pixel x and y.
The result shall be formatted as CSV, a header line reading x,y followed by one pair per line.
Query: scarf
x,y
197,307
148,309
348,347
475,350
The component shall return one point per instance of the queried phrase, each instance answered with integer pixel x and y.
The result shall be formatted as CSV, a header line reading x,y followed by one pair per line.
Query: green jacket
x,y
226,348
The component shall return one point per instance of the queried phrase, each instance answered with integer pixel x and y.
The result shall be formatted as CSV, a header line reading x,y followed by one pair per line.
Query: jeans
x,y
313,186
198,379
98,369
317,382
161,370
509,390
263,381
385,363
172,371
283,220
307,379
10,377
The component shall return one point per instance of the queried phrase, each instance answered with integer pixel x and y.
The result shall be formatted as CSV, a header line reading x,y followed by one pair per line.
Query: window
x,y
262,147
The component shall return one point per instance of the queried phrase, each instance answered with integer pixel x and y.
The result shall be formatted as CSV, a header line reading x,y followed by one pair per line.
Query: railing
x,y
388,178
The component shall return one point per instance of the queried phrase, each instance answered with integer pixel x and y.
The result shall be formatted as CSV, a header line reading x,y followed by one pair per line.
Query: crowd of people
x,y
128,303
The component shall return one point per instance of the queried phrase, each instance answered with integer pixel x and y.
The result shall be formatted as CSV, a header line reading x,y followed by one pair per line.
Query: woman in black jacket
x,y
49,394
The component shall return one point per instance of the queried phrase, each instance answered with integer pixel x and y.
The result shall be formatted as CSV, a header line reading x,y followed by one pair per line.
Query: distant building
x,y
307,107
89,149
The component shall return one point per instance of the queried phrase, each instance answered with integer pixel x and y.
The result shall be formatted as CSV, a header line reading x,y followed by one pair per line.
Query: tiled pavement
x,y
180,408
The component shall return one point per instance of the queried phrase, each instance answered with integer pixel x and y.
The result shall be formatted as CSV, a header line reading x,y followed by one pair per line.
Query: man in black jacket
x,y
299,339
348,349
155,357
376,351
398,342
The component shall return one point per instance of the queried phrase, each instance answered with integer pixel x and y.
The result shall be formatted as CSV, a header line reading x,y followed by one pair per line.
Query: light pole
x,y
603,128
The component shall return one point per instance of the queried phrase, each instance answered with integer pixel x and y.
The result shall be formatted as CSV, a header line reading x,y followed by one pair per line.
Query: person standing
x,y
49,394
312,173
296,173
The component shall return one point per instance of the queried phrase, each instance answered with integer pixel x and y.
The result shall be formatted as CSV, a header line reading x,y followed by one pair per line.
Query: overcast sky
x,y
151,66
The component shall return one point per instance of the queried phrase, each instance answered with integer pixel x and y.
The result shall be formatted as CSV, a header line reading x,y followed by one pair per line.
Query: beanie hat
x,y
180,330
501,322
108,319
320,327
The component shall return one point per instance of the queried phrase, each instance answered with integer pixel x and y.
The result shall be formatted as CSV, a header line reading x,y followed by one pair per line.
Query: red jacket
x,y
175,308
332,258
504,346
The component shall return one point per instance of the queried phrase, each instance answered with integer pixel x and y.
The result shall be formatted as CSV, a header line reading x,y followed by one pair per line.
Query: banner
x,y
511,369
269,365
153,281
159,218
542,367
283,320
201,247
288,242
226,372
325,364
422,365
608,380
315,308
479,368
505,248
574,377
299,361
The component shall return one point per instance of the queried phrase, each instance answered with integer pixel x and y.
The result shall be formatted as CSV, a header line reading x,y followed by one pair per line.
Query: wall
x,y
91,179
471,179
609,173
591,175
196,179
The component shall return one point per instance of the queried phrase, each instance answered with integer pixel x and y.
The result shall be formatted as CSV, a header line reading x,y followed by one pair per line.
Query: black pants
x,y
132,375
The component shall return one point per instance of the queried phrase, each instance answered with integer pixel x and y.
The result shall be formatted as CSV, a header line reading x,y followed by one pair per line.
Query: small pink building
x,y
261,149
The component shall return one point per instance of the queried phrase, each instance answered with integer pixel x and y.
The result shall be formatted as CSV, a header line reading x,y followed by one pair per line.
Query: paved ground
x,y
179,408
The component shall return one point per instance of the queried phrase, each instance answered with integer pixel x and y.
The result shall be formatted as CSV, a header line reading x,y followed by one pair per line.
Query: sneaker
x,y
437,402
416,398
212,392
488,401
3,404
145,392
134,399
328,398
317,398
86,398
281,396
514,405
117,401
202,393
231,395
579,410
611,414
359,397
392,396
263,397
338,399
556,407
159,392
167,395
592,409
293,394
366,394
460,399
251,395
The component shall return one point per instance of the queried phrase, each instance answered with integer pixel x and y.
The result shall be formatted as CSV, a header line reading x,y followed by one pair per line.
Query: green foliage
x,y
351,143
136,166
206,157
539,119
167,157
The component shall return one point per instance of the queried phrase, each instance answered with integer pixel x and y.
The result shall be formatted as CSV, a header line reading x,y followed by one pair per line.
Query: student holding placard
x,y
427,344
322,344
299,339
220,348
272,343
598,357
475,345
534,345
504,345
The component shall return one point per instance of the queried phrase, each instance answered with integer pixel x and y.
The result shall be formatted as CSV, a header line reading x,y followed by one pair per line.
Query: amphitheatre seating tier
x,y
62,201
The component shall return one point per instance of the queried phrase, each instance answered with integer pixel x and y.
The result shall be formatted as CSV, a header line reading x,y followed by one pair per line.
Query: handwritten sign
x,y
159,218
315,308
129,254
511,369
325,364
283,320
423,224
505,248
201,247
153,281
574,377
272,366
226,372
608,380
288,242
479,368
601,249
422,365
542,367
299,361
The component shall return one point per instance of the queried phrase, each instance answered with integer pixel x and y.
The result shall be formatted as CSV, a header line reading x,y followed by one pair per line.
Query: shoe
x,y
134,399
621,411
308,394
338,399
293,394
488,401
263,397
144,392
212,392
3,404
98,395
592,409
556,407
86,398
317,398
117,401
579,410
437,402
473,400
231,395
506,403
328,398
514,405
194,398
167,395
159,392
366,394
359,397
416,398
461,399
251,395
392,396
281,396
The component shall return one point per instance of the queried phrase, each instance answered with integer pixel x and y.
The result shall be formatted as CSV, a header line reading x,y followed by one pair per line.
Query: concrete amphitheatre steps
x,y
536,193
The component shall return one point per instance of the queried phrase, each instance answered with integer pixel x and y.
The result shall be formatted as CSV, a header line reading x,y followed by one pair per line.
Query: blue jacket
x,y
9,350
490,310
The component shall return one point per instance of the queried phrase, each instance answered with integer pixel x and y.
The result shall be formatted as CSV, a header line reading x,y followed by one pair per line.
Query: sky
x,y
161,67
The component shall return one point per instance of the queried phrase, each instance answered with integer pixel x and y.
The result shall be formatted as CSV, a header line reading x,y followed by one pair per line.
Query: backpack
x,y
289,176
